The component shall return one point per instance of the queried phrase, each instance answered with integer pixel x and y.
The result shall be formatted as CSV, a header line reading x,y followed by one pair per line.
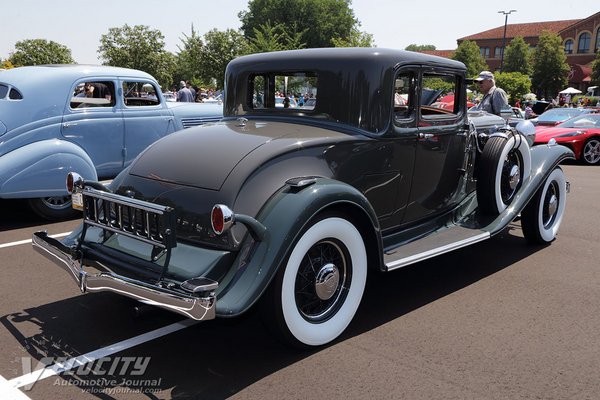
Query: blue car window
x,y
15,94
140,94
93,94
3,91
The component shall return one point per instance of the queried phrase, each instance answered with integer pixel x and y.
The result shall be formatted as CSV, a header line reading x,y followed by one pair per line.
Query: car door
x,y
93,120
145,115
440,146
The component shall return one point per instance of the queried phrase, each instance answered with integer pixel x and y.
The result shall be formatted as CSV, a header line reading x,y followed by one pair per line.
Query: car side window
x,y
140,94
403,103
13,94
440,97
93,94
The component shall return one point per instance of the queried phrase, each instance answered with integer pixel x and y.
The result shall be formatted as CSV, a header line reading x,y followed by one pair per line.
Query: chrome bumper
x,y
199,307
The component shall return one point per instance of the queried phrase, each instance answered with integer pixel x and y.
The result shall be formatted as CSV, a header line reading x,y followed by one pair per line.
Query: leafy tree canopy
x,y
40,51
269,38
318,21
549,65
220,47
596,70
515,84
419,47
188,59
517,57
468,53
138,47
6,64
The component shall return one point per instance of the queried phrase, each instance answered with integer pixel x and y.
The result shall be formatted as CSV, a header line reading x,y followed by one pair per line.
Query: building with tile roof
x,y
581,41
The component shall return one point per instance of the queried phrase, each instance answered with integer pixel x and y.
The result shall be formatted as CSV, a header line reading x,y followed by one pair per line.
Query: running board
x,y
432,245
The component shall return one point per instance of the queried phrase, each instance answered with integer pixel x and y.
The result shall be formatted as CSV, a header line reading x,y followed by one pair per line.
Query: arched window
x,y
597,47
584,43
569,47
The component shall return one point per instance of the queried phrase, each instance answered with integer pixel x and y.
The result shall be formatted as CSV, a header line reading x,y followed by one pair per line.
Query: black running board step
x,y
437,243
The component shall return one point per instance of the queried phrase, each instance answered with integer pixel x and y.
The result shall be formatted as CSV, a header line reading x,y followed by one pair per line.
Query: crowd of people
x,y
186,92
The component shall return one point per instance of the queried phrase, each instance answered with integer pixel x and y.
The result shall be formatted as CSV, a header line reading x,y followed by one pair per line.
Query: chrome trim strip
x,y
415,258
196,307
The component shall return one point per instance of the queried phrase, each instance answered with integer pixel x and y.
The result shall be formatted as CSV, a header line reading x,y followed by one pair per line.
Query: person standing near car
x,y
184,94
494,99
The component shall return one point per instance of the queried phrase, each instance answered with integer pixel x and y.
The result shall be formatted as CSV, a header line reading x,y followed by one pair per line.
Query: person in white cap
x,y
184,94
494,99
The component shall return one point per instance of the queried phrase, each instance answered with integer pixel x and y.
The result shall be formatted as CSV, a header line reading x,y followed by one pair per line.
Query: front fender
x,y
544,158
285,216
39,169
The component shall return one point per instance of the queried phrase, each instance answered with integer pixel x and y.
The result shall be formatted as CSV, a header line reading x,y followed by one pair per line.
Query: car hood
x,y
204,156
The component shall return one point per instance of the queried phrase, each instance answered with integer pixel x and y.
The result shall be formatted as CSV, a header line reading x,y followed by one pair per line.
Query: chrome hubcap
x,y
591,152
514,177
57,203
326,281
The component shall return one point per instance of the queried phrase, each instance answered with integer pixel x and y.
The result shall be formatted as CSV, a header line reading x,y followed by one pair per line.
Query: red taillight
x,y
221,218
73,179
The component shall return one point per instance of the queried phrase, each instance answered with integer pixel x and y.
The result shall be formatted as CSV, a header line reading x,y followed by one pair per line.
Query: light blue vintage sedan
x,y
91,119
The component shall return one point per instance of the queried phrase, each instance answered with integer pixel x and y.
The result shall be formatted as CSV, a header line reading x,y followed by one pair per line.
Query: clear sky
x,y
78,24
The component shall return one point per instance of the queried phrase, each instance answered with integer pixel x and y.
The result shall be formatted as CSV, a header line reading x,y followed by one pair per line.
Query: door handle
x,y
69,124
426,135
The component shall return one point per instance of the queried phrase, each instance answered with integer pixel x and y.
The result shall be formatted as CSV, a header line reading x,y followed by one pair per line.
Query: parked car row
x,y
91,119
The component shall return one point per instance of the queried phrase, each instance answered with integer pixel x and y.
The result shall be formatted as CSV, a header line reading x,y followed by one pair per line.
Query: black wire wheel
x,y
542,217
503,167
316,295
53,208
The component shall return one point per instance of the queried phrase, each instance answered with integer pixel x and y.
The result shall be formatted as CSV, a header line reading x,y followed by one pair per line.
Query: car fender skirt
x,y
285,216
544,158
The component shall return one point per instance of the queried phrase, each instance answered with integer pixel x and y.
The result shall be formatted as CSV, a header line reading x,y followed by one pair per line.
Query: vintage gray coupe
x,y
91,119
289,209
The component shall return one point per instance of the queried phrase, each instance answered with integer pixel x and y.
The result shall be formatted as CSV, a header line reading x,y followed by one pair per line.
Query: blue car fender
x,y
39,169
285,216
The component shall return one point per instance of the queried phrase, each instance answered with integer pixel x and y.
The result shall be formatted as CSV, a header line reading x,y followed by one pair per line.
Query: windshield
x,y
582,121
558,114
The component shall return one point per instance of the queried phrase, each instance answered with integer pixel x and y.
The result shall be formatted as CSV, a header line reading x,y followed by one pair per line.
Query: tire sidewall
x,y
524,156
315,334
549,234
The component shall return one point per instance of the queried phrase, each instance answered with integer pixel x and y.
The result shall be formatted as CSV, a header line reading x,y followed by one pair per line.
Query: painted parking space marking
x,y
7,391
27,241
75,362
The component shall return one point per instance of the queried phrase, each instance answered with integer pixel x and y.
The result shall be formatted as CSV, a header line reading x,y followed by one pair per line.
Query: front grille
x,y
189,122
147,222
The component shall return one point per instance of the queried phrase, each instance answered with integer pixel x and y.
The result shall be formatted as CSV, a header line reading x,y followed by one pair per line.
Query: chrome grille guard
x,y
147,222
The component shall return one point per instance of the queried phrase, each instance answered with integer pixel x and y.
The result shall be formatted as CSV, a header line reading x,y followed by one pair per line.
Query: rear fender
x,y
285,216
39,169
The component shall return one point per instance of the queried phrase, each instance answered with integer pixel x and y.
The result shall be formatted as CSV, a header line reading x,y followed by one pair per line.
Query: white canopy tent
x,y
570,90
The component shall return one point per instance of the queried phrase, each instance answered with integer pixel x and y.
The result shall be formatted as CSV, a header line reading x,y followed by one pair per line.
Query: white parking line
x,y
75,362
7,391
26,241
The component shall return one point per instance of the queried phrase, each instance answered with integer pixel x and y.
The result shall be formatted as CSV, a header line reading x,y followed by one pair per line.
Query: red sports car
x,y
581,134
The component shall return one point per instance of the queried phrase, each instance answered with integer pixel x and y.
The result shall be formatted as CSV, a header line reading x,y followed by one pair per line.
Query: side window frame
x,y
437,116
143,98
404,115
78,90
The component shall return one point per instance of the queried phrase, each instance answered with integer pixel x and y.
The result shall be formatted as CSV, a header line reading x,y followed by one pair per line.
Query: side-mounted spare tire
x,y
504,165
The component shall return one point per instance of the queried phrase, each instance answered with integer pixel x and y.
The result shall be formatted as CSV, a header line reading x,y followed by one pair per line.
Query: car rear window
x,y
284,91
13,94
3,91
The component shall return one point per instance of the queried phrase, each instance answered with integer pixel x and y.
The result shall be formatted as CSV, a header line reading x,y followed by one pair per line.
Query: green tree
x,y
517,57
596,70
188,59
549,65
419,47
138,47
515,84
320,21
40,51
468,53
220,47
269,38
356,39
